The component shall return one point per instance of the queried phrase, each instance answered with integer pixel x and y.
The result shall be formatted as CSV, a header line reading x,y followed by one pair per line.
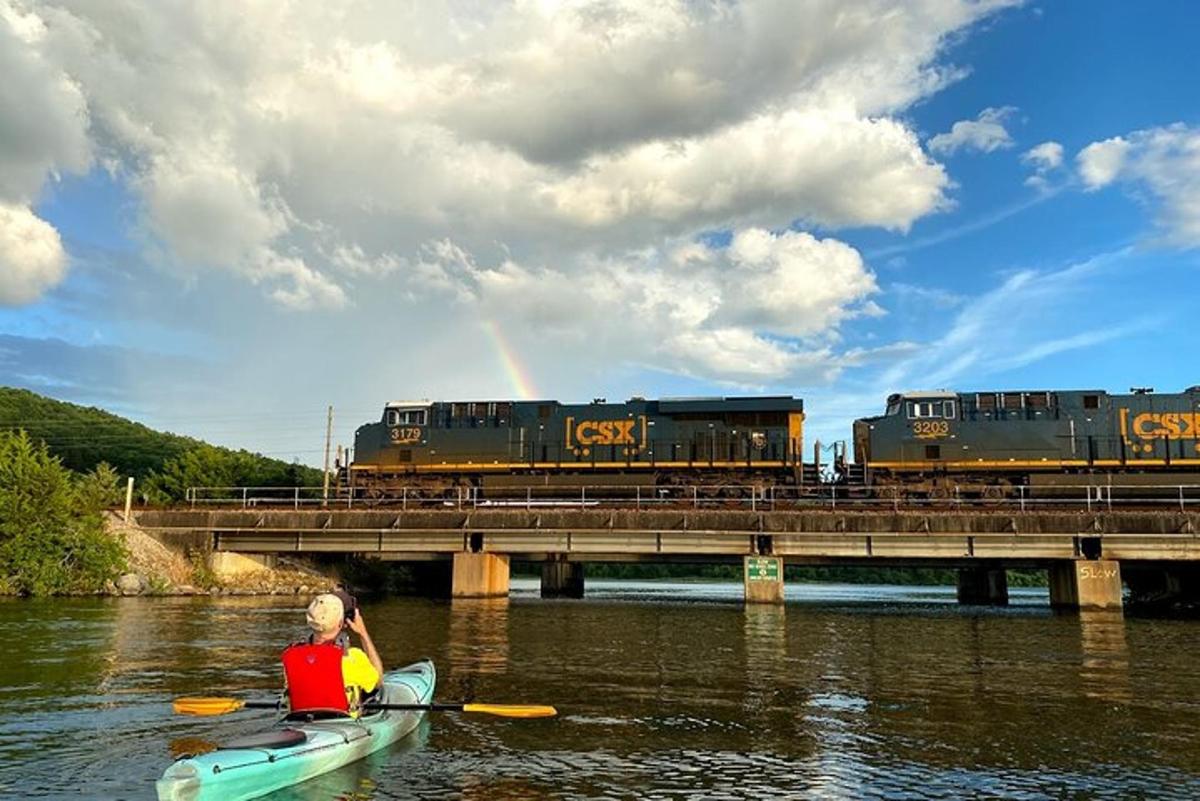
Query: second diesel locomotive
x,y
988,441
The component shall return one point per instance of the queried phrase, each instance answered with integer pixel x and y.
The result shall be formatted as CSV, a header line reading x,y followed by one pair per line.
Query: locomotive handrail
x,y
1099,495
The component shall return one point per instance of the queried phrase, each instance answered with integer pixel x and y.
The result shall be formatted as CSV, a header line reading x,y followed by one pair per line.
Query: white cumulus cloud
x,y
43,133
1044,159
362,153
1101,162
764,308
983,134
1046,156
1165,162
32,258
825,166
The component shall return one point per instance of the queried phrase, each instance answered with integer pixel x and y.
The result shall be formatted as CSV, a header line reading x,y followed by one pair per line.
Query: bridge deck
x,y
1034,538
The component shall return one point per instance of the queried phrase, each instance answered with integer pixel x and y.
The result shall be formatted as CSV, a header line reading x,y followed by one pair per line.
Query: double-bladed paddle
x,y
223,706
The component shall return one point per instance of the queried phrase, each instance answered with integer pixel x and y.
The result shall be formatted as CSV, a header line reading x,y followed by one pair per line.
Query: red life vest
x,y
314,678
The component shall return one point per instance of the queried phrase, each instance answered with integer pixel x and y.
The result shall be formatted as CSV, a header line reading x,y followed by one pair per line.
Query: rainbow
x,y
517,373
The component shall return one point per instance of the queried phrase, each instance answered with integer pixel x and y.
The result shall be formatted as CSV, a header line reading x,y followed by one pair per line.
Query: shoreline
x,y
158,570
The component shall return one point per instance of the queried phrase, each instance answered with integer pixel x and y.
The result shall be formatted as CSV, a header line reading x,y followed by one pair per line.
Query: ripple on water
x,y
846,694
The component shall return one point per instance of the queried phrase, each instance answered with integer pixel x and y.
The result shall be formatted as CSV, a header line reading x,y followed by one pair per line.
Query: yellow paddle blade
x,y
207,706
512,710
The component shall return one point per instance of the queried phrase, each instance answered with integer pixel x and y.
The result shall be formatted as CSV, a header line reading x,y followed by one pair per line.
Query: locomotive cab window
x,y
407,417
948,410
1091,401
919,410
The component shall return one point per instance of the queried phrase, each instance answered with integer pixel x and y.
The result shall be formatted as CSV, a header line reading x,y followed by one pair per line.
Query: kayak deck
x,y
234,774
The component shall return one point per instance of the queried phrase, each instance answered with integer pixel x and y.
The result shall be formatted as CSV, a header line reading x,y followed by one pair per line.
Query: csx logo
x,y
630,431
1171,425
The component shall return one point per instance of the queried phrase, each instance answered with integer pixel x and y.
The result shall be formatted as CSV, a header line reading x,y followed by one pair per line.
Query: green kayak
x,y
294,752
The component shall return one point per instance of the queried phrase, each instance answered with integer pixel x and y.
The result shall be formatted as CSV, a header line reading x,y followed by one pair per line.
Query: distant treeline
x,y
643,571
165,465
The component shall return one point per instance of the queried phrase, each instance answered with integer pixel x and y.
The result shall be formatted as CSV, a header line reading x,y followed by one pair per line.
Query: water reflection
x,y
680,693
478,636
764,628
1104,668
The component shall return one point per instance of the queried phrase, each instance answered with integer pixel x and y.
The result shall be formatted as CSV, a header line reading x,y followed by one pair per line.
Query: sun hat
x,y
325,613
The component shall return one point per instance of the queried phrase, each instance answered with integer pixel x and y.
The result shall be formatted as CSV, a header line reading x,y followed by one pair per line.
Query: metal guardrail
x,y
1105,497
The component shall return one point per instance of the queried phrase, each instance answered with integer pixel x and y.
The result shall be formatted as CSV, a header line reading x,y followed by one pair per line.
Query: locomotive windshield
x,y
931,408
407,417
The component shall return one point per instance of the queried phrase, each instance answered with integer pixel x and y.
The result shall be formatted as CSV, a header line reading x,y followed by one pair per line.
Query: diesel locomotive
x,y
987,442
491,444
926,444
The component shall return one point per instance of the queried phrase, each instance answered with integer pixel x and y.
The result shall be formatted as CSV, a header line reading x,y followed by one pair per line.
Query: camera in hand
x,y
349,602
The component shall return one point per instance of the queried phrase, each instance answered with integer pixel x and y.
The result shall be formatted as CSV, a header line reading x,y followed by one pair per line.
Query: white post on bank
x,y
128,498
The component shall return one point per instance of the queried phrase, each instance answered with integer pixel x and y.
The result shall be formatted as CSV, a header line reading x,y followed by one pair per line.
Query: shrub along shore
x,y
57,537
53,536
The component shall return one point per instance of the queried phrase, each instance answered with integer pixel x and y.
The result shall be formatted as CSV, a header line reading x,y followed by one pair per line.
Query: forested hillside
x,y
82,437
165,464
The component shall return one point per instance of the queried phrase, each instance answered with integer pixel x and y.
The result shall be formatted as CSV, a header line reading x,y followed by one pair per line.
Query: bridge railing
x,y
1093,497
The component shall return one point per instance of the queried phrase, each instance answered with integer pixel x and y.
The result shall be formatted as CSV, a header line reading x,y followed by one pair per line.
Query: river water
x,y
665,691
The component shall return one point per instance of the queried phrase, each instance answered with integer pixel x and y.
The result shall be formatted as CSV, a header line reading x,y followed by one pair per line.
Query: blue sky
x,y
241,241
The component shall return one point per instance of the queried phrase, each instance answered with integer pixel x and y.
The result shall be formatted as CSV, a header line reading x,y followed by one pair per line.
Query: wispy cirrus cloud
x,y
1030,316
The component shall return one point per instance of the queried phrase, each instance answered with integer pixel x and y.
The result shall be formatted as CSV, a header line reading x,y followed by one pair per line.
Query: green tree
x,y
208,466
52,533
101,488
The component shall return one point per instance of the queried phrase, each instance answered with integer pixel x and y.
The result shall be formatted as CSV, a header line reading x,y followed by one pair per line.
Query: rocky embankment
x,y
158,569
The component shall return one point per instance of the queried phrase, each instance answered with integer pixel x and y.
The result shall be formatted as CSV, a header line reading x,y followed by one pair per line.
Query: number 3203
x,y
931,428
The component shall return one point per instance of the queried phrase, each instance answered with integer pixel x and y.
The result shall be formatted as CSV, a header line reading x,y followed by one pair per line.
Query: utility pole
x,y
328,438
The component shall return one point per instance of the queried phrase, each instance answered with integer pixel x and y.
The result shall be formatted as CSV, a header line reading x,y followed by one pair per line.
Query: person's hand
x,y
357,624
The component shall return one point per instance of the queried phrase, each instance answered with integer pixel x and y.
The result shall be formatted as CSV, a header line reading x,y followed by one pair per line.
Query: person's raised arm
x,y
359,627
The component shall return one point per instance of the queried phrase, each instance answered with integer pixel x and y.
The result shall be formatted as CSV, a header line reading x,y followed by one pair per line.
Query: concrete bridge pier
x,y
762,577
562,579
1086,584
231,565
479,575
986,586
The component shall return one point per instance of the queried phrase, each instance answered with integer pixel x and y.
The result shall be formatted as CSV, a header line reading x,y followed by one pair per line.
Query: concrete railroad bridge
x,y
1088,555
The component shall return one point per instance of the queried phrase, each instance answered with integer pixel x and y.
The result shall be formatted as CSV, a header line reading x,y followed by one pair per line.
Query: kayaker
x,y
325,674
